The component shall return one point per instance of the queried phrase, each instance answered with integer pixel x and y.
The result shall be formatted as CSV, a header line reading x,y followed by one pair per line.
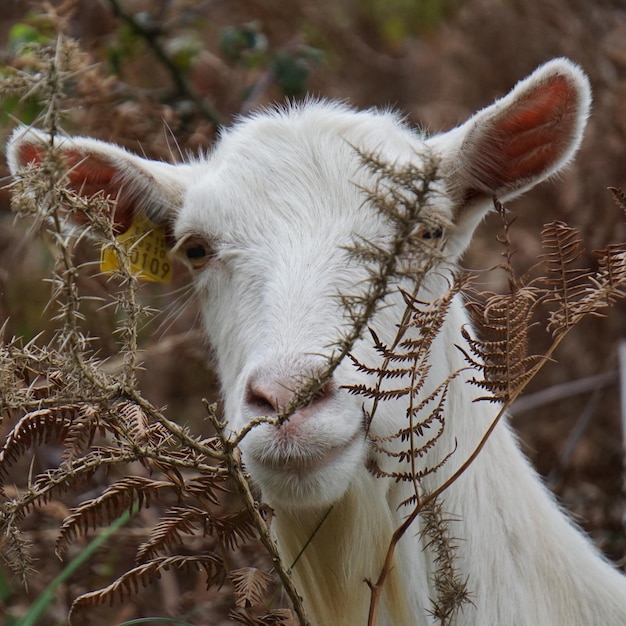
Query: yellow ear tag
x,y
147,251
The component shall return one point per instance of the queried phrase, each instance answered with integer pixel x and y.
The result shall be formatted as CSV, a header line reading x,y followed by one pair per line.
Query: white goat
x,y
265,221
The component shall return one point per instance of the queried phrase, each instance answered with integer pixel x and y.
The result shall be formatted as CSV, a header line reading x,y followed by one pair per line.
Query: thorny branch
x,y
235,468
403,196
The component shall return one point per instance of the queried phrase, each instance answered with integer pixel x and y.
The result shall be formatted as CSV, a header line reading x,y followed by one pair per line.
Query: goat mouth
x,y
304,460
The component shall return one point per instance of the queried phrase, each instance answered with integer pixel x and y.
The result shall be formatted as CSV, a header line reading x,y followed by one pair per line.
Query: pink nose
x,y
265,396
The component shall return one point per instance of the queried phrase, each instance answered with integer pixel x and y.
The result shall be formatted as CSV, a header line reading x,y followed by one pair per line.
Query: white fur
x,y
281,198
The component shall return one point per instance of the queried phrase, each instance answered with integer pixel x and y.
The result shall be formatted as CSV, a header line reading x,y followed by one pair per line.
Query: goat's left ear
x,y
519,140
139,185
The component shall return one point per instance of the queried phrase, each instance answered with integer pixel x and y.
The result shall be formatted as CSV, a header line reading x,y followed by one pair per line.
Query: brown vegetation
x,y
160,78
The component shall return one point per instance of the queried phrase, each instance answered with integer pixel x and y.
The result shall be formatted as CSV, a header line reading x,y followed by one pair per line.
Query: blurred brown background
x,y
167,73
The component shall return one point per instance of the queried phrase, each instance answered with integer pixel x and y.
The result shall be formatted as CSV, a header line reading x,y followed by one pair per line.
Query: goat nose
x,y
265,396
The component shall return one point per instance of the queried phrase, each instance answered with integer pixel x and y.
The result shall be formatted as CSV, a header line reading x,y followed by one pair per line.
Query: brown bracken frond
x,y
36,427
620,198
16,549
137,422
168,533
501,354
250,585
404,374
142,575
81,432
124,495
606,286
230,531
499,351
276,617
565,283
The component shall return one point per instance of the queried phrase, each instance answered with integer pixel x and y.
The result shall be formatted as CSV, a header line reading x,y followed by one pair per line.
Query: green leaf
x,y
13,107
291,73
5,587
184,50
238,43
22,35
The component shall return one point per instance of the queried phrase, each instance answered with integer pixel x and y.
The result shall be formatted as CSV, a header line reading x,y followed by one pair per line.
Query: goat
x,y
265,221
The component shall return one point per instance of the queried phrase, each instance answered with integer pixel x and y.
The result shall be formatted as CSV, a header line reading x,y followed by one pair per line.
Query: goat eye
x,y
197,251
194,253
433,232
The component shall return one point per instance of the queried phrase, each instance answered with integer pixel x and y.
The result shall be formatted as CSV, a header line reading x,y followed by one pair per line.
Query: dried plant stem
x,y
378,586
235,469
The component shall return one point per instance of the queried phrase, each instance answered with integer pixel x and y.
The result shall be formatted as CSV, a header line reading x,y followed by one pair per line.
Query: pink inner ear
x,y
30,153
88,175
529,138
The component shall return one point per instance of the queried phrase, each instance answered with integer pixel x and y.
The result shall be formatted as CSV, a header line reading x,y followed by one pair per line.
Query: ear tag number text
x,y
147,250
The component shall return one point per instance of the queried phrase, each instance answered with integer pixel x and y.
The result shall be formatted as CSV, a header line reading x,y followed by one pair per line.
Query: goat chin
x,y
303,470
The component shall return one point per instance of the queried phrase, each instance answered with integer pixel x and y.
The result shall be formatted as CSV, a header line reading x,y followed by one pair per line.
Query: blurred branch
x,y
565,390
576,434
345,37
151,36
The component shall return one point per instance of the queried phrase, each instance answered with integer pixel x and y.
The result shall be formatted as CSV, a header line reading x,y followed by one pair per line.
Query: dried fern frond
x,y
403,374
606,286
620,198
427,319
143,575
565,283
124,495
250,585
501,354
276,617
612,268
177,522
81,432
426,414
137,422
205,488
499,351
411,476
69,475
36,427
230,531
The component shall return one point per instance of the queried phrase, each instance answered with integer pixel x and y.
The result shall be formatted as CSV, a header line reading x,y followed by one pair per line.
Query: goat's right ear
x,y
138,185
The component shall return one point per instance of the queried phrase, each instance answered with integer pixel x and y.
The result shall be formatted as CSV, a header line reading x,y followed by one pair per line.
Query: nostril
x,y
269,397
259,398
